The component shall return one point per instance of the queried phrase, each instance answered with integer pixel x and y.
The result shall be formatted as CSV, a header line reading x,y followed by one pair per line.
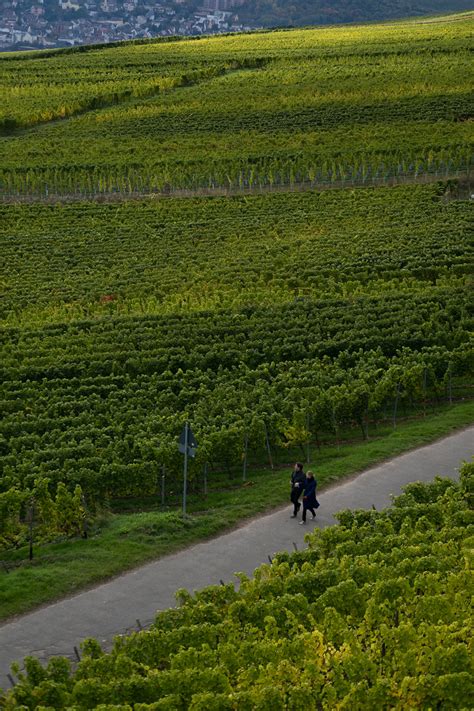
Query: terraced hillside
x,y
243,313
314,106
266,319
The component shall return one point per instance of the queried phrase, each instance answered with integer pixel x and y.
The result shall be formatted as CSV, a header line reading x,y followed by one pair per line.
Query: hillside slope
x,y
242,111
279,13
254,315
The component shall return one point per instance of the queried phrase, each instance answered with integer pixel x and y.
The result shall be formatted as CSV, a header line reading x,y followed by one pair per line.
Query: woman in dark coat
x,y
310,502
298,481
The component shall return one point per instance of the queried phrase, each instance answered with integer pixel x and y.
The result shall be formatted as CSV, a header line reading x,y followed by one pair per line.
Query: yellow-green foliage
x,y
49,516
241,111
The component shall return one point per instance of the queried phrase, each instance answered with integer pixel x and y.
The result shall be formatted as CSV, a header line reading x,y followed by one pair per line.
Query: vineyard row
x,y
143,182
112,434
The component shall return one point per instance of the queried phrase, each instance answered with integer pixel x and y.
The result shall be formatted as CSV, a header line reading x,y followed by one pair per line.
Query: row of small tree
x,y
36,511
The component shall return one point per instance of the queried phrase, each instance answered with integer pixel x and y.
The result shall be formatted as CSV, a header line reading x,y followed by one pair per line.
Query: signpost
x,y
187,445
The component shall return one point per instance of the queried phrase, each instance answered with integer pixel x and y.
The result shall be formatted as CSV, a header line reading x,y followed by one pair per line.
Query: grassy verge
x,y
122,541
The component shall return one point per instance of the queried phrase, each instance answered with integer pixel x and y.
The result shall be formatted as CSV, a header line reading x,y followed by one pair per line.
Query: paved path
x,y
113,608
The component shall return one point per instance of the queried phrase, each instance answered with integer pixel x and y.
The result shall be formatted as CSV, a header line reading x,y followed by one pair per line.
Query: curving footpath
x,y
131,600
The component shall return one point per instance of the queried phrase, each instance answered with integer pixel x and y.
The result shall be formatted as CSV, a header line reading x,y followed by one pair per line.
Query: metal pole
x,y
308,442
185,477
268,446
84,522
163,488
395,407
425,377
244,473
30,527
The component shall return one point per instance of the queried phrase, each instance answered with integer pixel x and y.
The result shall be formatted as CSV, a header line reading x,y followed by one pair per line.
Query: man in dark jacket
x,y
298,480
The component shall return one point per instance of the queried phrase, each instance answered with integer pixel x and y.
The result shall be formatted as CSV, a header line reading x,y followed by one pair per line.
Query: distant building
x,y
23,37
109,6
224,5
69,5
48,23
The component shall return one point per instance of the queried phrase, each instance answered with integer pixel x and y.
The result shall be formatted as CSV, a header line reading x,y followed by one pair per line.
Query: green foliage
x,y
323,320
467,482
50,518
262,319
266,320
11,504
318,106
375,613
77,262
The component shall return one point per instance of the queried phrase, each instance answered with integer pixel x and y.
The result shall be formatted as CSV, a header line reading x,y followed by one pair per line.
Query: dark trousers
x,y
308,508
295,495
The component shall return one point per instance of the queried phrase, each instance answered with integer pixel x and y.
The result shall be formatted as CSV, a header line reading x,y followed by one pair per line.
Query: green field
x,y
324,319
74,262
275,322
316,105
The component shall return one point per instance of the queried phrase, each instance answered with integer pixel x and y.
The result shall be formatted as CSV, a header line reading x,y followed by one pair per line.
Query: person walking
x,y
297,481
310,503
